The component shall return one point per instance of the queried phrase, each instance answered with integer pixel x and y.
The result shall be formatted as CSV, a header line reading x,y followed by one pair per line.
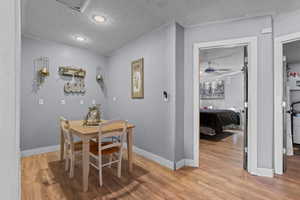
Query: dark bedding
x,y
217,119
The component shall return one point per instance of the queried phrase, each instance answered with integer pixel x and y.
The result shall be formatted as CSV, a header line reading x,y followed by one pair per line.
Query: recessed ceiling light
x,y
80,38
99,19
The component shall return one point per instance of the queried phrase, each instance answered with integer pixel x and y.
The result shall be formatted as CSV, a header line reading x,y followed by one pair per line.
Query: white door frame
x,y
10,69
251,42
278,97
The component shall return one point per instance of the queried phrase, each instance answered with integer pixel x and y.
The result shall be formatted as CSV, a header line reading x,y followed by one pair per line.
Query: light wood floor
x,y
219,177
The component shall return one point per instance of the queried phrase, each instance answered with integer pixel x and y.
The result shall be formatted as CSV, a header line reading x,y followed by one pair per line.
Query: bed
x,y
212,121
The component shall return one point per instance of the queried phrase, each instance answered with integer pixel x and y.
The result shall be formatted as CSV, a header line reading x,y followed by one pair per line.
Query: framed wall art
x,y
137,79
212,89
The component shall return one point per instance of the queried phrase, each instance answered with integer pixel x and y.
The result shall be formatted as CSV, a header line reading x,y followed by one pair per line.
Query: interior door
x,y
284,107
245,110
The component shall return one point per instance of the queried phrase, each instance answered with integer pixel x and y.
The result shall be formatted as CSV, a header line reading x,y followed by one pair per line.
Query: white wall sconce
x,y
99,78
99,75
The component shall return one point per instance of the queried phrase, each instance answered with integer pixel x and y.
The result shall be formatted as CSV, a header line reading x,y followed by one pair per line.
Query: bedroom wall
x,y
234,91
234,84
230,30
39,123
152,116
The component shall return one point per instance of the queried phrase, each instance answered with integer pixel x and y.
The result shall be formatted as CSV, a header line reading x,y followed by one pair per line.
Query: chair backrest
x,y
121,126
64,126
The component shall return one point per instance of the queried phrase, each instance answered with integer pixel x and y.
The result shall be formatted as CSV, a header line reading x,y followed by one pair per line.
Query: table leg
x,y
85,163
62,145
129,149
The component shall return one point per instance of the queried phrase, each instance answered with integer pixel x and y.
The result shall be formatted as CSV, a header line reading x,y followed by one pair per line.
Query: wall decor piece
x,y
212,89
75,87
71,71
41,66
137,79
99,75
93,118
99,78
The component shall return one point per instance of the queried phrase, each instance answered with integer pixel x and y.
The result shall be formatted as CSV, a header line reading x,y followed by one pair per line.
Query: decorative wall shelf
x,y
71,71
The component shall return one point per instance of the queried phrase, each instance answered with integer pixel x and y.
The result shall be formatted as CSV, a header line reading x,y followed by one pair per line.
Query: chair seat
x,y
95,149
78,145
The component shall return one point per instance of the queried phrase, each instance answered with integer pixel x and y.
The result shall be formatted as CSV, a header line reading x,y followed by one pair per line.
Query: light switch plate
x,y
81,102
94,102
41,101
114,98
63,102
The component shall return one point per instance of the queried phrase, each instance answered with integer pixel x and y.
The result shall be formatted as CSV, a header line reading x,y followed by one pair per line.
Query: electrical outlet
x,y
114,98
94,102
63,102
81,102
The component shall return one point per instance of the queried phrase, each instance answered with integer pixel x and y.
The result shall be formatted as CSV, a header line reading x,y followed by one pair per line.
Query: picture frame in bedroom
x,y
212,89
137,79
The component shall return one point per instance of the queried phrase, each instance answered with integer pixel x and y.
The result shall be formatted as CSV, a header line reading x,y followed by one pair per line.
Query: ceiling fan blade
x,y
224,70
209,70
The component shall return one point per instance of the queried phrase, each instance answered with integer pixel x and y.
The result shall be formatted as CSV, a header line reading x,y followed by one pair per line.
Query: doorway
x,y
223,105
250,142
288,139
281,105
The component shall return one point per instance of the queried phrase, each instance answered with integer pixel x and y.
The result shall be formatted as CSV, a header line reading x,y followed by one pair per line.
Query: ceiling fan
x,y
211,69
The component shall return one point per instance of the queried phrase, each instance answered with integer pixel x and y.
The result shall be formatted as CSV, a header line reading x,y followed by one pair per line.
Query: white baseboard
x,y
185,162
180,164
190,163
264,172
160,160
36,151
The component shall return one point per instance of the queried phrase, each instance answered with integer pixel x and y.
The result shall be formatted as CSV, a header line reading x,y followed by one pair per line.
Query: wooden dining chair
x,y
71,148
111,145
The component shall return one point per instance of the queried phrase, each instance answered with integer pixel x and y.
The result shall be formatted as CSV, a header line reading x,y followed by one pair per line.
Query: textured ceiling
x,y
129,19
230,59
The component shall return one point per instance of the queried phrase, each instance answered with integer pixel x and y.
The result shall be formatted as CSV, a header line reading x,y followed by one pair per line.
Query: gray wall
x,y
39,123
234,93
162,50
285,23
179,127
151,115
230,30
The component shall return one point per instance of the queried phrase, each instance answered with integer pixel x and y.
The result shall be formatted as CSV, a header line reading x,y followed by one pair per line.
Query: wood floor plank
x,y
219,177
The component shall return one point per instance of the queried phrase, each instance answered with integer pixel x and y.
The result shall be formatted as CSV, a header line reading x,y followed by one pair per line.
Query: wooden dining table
x,y
86,133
